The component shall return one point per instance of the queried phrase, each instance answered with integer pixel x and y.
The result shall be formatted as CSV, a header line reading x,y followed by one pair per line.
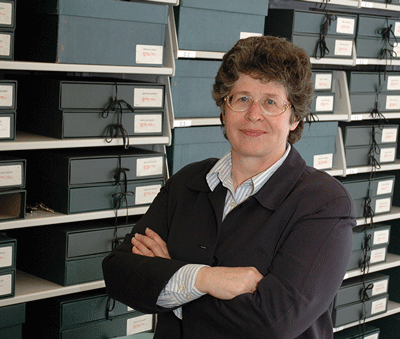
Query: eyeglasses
x,y
272,106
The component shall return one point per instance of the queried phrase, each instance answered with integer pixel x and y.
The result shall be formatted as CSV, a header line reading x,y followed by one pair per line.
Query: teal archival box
x,y
116,32
359,134
190,144
8,94
7,126
191,88
206,25
8,252
12,172
317,144
11,319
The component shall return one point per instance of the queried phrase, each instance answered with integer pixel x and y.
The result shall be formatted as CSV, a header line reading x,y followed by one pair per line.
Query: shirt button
x,y
188,297
181,288
233,204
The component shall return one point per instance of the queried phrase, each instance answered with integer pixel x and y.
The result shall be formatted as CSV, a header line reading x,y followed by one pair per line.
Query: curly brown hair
x,y
274,59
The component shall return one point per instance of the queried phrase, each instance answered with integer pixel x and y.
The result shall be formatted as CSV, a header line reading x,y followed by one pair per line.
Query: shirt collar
x,y
221,172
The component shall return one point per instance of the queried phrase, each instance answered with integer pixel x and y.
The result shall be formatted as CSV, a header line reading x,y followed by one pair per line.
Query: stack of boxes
x,y
369,143
82,109
89,315
306,28
69,254
12,188
8,252
324,97
7,29
359,298
115,32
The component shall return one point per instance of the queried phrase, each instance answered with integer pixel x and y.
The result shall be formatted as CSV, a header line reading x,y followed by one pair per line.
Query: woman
x,y
255,244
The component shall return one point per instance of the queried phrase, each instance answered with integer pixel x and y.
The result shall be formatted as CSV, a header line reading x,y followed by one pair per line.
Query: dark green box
x,y
375,48
191,88
373,25
379,205
12,172
362,155
217,25
12,204
353,289
192,144
369,257
355,312
360,134
115,32
7,283
376,235
317,144
11,320
94,166
7,126
8,252
99,197
8,93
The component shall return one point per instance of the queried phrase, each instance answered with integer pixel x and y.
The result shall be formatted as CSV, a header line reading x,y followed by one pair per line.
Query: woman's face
x,y
252,133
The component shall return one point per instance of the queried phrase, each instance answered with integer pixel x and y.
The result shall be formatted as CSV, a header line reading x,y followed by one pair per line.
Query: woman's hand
x,y
228,282
150,245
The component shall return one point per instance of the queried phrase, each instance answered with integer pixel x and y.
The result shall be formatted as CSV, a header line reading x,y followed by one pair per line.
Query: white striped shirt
x,y
181,287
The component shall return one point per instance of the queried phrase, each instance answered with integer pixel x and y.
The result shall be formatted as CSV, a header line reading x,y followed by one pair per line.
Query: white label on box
x,y
324,103
6,96
323,161
385,187
387,155
393,83
378,306
372,336
343,47
380,287
5,44
378,255
323,81
6,256
129,309
10,175
389,135
5,127
149,166
149,54
139,324
381,237
148,97
148,123
5,13
396,49
5,284
345,25
393,102
382,205
397,28
244,35
146,194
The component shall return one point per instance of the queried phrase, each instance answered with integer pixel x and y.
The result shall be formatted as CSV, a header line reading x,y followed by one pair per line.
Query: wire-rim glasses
x,y
272,105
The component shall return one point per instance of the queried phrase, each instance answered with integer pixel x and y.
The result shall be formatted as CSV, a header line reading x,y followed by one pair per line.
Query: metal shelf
x,y
392,260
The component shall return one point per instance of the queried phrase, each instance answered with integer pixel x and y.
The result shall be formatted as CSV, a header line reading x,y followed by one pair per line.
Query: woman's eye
x,y
269,101
243,99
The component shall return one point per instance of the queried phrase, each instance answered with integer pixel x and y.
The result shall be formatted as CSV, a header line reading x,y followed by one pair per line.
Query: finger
x,y
142,248
148,245
153,235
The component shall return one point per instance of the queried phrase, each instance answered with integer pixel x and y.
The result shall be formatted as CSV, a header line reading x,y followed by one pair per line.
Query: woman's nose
x,y
255,112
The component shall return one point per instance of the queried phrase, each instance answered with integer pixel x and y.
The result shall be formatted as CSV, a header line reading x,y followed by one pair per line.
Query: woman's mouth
x,y
253,133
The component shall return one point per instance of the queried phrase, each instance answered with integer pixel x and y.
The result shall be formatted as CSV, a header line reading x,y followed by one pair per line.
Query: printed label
x,y
387,155
393,102
148,97
244,35
378,255
380,287
149,166
5,44
149,54
393,83
382,205
324,104
146,194
6,96
397,28
345,25
5,13
343,47
5,127
6,256
384,187
323,161
389,135
139,324
187,54
148,123
381,237
5,284
323,81
10,175
378,306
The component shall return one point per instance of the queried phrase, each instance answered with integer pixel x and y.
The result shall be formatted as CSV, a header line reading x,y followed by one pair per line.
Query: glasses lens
x,y
269,105
273,106
239,102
